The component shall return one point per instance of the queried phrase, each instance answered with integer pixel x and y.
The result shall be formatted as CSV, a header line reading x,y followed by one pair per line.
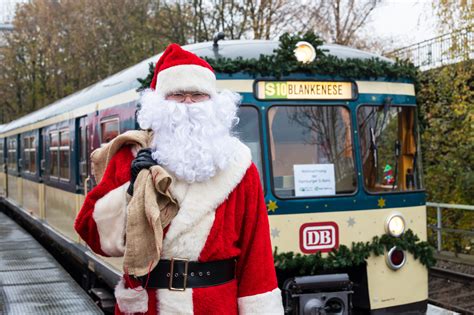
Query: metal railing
x,y
439,51
439,225
6,27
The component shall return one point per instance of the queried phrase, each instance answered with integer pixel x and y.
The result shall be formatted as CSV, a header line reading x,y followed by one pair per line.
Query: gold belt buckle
x,y
185,274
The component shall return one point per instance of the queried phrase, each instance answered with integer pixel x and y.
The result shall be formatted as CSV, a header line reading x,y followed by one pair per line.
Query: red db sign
x,y
319,237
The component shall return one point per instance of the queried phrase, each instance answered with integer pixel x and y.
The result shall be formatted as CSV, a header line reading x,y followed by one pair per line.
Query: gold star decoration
x,y
272,206
381,202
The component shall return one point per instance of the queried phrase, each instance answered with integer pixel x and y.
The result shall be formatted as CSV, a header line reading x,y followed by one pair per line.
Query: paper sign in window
x,y
314,180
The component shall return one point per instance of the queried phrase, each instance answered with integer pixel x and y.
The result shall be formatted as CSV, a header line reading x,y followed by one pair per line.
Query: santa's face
x,y
192,131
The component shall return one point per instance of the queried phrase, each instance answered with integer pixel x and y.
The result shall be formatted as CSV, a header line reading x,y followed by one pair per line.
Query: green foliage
x,y
345,257
453,14
446,101
146,82
445,97
283,62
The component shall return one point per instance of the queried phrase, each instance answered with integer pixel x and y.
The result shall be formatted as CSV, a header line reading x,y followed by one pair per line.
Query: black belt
x,y
178,274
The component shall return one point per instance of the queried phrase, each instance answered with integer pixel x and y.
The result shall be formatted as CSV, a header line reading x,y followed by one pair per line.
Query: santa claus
x,y
216,255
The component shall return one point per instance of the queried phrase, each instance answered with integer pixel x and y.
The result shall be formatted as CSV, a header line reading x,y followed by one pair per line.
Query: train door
x,y
30,186
12,167
83,149
42,152
42,172
3,170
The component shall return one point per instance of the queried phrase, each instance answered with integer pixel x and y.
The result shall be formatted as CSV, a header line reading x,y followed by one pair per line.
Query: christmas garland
x,y
283,62
343,257
145,82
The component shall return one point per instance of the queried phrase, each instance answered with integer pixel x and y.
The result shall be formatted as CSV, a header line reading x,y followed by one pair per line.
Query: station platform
x,y
32,281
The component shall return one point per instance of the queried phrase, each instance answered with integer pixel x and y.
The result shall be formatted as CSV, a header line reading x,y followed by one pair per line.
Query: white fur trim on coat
x,y
186,78
265,303
131,300
110,216
175,302
190,228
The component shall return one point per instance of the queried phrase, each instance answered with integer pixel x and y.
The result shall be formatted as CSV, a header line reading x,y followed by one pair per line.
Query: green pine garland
x,y
145,82
343,257
283,62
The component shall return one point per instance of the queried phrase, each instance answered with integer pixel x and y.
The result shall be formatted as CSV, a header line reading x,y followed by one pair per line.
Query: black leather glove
x,y
142,161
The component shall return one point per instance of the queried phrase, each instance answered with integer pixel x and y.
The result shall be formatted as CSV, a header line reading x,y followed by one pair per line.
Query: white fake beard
x,y
193,141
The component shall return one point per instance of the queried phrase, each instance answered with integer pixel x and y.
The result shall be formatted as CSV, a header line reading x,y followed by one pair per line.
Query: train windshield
x,y
311,151
389,148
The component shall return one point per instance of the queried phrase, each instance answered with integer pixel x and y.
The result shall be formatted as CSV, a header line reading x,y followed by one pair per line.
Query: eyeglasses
x,y
181,97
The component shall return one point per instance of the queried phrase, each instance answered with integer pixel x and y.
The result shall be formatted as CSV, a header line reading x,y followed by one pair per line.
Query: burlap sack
x,y
150,209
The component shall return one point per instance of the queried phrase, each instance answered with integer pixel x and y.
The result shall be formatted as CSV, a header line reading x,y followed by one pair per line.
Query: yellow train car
x,y
338,156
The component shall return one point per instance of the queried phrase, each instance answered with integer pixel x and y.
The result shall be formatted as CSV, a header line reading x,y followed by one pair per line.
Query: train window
x,y
248,130
109,129
388,140
29,153
311,151
32,155
26,146
11,155
64,154
2,155
59,154
54,157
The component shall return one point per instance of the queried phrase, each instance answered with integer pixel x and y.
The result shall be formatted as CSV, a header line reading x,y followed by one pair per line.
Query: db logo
x,y
319,237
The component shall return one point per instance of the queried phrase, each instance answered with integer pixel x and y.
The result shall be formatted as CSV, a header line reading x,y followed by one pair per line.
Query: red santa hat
x,y
180,70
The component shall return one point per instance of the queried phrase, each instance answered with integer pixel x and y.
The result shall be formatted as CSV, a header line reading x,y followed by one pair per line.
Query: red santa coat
x,y
221,218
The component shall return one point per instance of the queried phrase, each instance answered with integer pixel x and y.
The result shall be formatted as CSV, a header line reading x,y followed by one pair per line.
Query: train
x,y
338,156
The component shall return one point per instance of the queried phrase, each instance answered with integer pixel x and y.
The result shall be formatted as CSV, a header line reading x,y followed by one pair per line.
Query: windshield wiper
x,y
397,155
373,147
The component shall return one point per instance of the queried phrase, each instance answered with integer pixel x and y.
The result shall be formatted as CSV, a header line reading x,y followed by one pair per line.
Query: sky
x,y
406,22
7,8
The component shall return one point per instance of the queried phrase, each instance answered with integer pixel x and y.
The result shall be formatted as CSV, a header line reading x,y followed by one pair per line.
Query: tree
x,y
59,47
447,104
446,97
339,21
453,15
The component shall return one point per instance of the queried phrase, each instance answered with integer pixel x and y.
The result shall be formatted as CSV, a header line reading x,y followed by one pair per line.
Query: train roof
x,y
126,79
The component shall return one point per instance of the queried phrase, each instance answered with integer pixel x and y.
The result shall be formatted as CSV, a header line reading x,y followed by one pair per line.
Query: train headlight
x,y
304,52
395,225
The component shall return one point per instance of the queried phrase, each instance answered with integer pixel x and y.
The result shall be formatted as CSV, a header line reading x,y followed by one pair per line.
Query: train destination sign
x,y
304,90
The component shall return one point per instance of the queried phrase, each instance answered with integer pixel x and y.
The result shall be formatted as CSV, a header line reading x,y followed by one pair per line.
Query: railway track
x,y
451,290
